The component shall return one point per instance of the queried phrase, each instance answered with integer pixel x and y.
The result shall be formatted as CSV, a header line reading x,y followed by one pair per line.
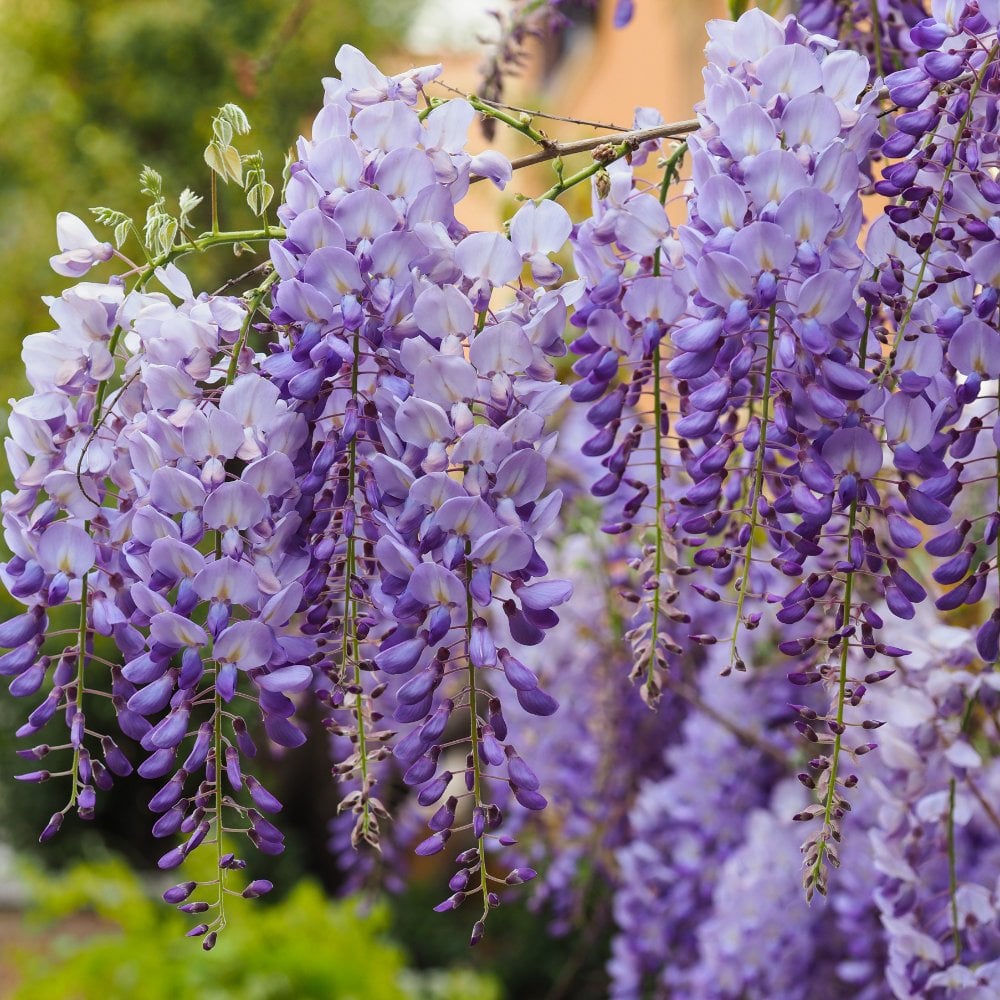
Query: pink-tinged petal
x,y
433,584
72,263
493,166
395,557
212,433
909,420
148,524
853,450
540,228
808,215
825,297
174,559
303,303
544,595
984,265
336,164
544,514
748,131
447,126
365,215
810,120
483,445
149,602
501,348
763,246
747,39
505,550
66,548
488,256
172,629
774,175
286,679
445,379
245,644
432,490
174,492
722,203
836,174
73,233
312,230
790,70
81,250
271,476
723,279
468,517
386,126
235,505
653,298
228,580
440,312
168,387
393,477
642,224
420,423
845,75
334,272
280,608
357,71
251,399
975,348
404,172
522,476
393,254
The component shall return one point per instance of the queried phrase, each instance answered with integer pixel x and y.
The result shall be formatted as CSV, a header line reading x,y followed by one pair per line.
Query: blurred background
x,y
89,92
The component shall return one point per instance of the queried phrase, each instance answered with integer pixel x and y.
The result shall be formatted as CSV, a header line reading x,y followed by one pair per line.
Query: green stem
x,y
215,203
217,709
81,662
758,482
669,174
956,934
350,609
477,772
517,124
831,788
253,304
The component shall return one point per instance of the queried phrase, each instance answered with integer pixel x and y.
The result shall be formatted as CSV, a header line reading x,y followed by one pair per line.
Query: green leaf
x,y
121,222
187,202
259,197
233,164
150,182
214,158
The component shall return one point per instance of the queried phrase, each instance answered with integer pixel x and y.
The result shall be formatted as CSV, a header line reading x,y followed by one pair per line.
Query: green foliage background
x,y
92,89
304,948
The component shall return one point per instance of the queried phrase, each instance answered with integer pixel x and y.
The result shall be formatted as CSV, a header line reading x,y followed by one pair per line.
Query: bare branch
x,y
636,138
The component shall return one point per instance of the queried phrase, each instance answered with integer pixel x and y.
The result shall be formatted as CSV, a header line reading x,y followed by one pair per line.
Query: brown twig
x,y
635,137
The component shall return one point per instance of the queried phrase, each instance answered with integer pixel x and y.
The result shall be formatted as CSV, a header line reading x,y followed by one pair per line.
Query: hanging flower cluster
x,y
360,504
879,29
776,439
